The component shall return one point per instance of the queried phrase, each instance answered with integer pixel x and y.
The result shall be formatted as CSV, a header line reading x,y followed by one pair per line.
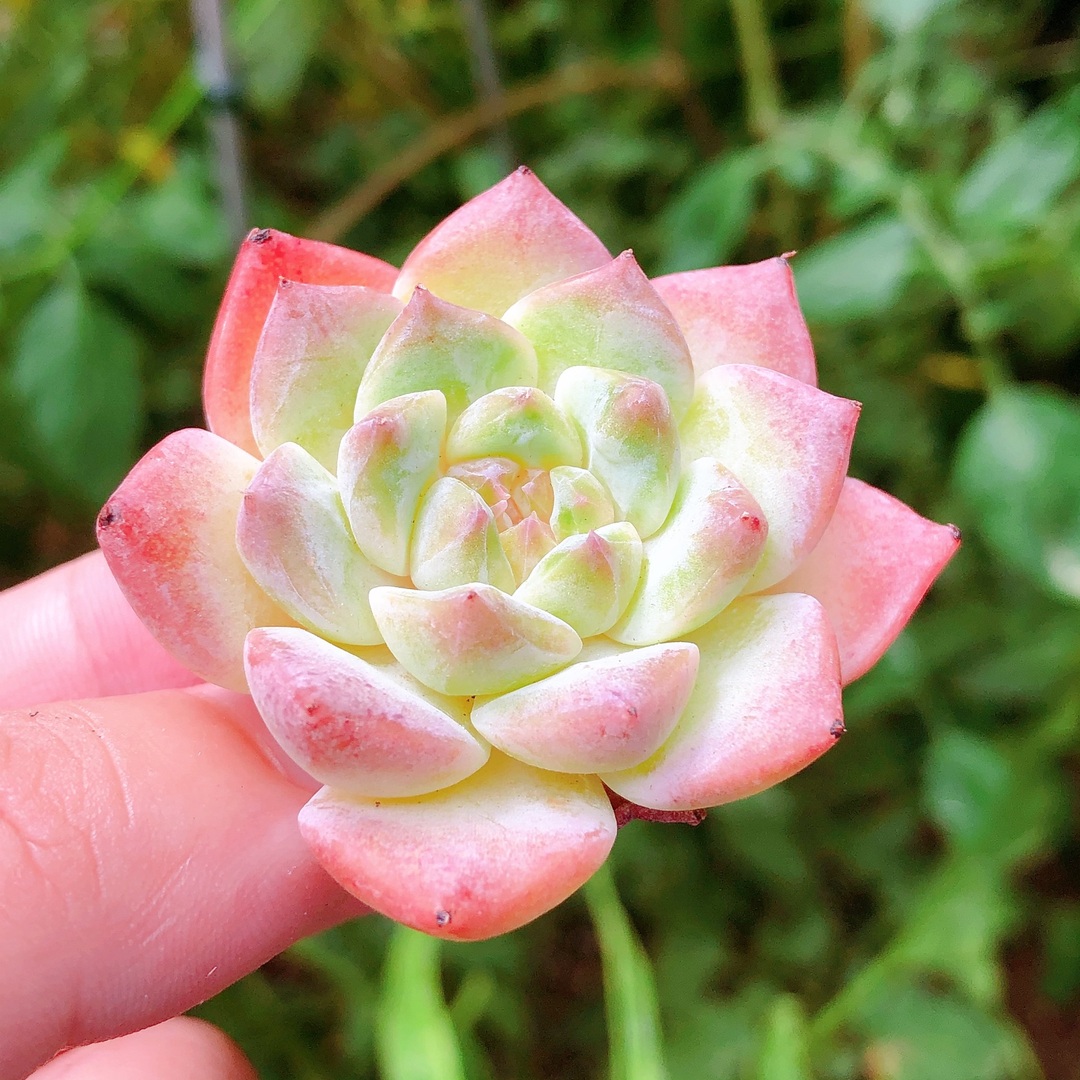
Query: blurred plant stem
x,y
699,124
212,66
761,80
453,131
179,104
758,62
486,77
630,1001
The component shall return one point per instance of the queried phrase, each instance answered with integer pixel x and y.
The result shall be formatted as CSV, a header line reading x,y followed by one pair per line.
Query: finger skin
x,y
179,1049
69,633
149,857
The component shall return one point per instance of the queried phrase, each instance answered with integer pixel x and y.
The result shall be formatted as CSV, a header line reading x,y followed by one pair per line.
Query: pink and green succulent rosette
x,y
509,535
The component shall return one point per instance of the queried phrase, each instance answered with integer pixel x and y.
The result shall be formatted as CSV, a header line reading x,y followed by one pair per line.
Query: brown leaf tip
x,y
627,811
109,516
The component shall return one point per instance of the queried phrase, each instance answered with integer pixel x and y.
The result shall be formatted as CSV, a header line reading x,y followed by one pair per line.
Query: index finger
x,y
69,633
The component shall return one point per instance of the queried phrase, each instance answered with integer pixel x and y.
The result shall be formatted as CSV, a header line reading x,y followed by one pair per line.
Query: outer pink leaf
x,y
478,859
766,704
788,443
501,245
168,536
742,315
870,570
265,257
356,725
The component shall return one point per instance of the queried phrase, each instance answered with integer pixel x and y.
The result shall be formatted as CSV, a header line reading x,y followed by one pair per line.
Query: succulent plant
x,y
512,536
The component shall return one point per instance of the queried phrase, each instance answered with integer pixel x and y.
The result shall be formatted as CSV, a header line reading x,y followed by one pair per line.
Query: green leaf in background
x,y
918,1032
707,219
415,1035
1061,971
27,202
903,16
1018,470
278,39
968,785
785,1049
181,218
75,375
636,1049
857,274
1018,177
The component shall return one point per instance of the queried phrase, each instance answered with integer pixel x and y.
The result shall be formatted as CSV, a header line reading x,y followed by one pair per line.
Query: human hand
x,y
149,854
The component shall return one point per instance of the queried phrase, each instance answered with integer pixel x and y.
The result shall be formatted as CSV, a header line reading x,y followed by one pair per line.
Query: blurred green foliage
x,y
908,908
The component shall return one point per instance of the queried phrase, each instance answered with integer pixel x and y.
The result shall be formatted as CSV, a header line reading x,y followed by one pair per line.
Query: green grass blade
x,y
785,1048
635,1042
415,1037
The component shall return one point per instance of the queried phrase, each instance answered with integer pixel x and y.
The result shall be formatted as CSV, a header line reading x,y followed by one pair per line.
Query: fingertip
x,y
179,1049
69,633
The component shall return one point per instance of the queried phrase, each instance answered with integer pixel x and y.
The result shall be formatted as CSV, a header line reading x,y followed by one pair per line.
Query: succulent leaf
x,y
500,246
611,318
613,709
632,445
168,533
518,422
525,544
870,570
787,442
265,257
580,503
385,463
699,561
765,704
313,350
588,580
436,345
471,639
474,860
295,540
455,540
352,726
742,315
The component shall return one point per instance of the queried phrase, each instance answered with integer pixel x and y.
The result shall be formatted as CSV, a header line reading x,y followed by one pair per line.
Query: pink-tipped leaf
x,y
314,347
588,580
788,443
611,709
631,441
766,703
501,245
455,540
294,538
742,315
168,534
265,257
385,463
478,859
353,726
607,318
699,561
471,639
435,345
870,571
